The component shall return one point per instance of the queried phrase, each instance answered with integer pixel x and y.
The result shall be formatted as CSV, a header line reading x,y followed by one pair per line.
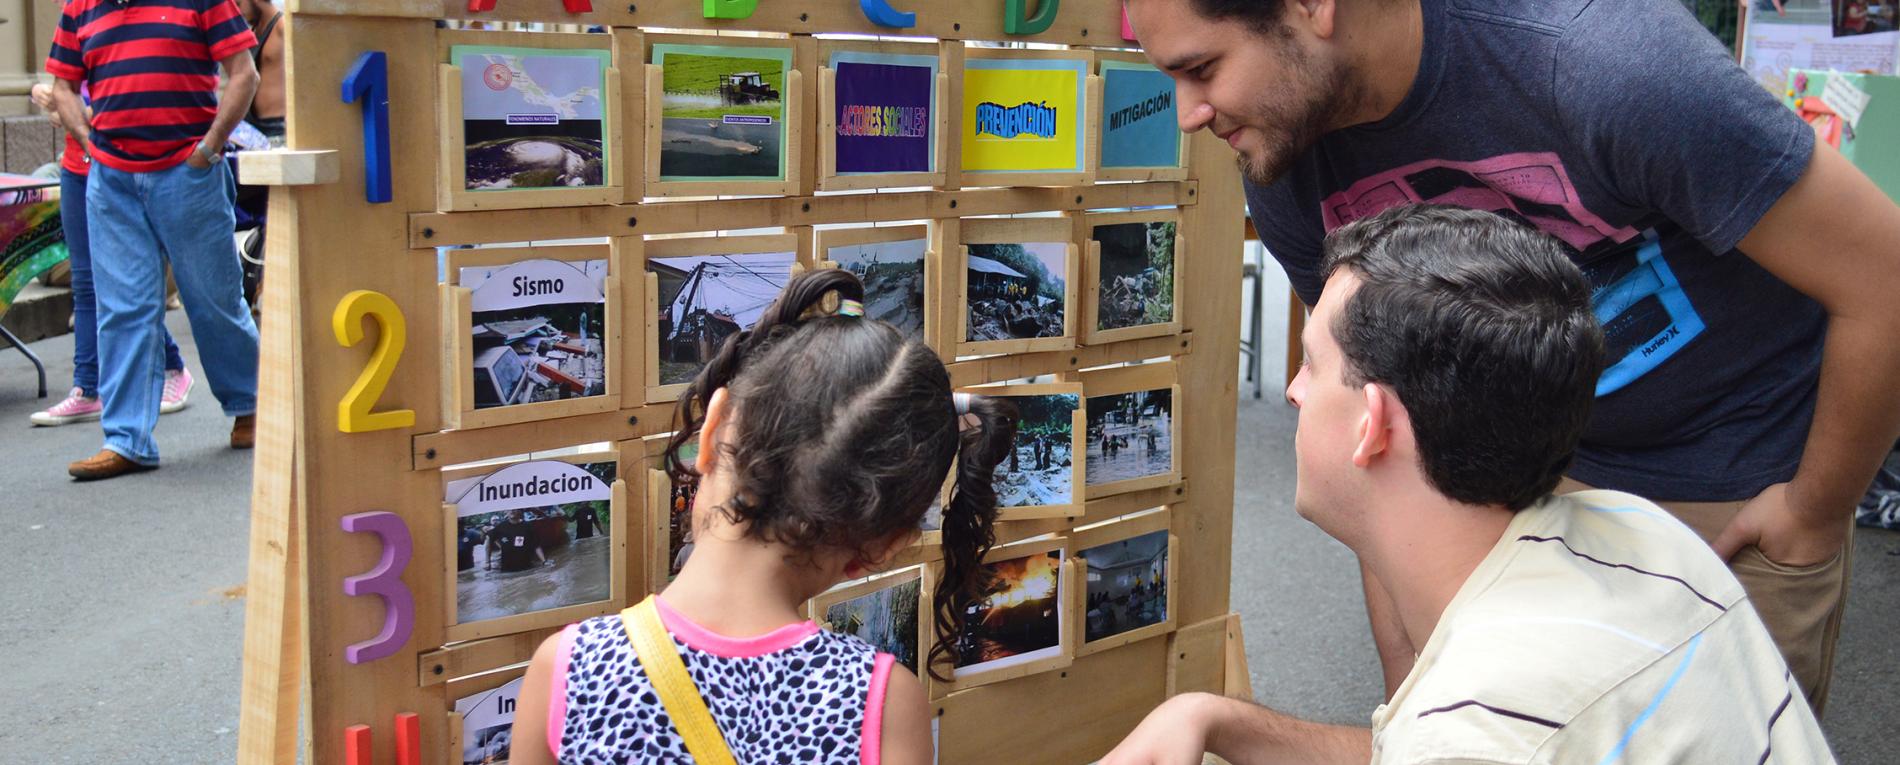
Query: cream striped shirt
x,y
1599,630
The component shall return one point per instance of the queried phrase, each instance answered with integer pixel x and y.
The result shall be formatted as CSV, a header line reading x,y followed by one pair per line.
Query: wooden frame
x,y
954,237
1090,94
452,193
1092,537
656,249
467,687
458,386
1105,61
1065,617
827,131
1078,467
1136,379
926,578
794,136
830,238
1092,280
455,630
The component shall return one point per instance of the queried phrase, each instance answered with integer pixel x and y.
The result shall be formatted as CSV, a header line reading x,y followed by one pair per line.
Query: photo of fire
x,y
1019,620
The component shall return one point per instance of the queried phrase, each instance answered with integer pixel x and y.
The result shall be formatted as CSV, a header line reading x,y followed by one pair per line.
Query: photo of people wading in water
x,y
1130,436
532,536
1040,470
1016,291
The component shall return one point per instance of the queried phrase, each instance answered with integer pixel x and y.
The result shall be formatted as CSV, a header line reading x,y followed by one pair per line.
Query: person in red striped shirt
x,y
159,189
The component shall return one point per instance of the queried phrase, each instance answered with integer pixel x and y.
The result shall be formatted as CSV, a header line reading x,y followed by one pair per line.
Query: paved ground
x,y
122,615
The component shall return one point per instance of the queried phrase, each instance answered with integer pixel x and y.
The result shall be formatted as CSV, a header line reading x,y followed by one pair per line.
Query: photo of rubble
x,y
1017,291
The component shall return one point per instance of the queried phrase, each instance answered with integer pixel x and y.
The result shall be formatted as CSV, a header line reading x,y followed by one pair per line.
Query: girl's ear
x,y
709,432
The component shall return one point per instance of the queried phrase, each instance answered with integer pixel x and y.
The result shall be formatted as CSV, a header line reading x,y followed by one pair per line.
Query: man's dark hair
x,y
1261,16
1482,327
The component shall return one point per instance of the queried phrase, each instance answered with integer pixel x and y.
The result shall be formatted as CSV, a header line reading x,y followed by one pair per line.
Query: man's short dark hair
x,y
1262,16
1482,327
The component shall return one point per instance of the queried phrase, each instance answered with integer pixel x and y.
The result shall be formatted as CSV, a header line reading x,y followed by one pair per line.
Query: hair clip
x,y
962,403
849,307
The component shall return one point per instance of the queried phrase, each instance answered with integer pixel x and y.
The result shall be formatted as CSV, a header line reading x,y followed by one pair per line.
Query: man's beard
x,y
1290,130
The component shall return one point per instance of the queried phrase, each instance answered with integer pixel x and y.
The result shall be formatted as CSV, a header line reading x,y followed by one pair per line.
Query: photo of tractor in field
x,y
741,88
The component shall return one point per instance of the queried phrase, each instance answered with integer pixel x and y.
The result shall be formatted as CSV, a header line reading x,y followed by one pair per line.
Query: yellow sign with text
x,y
1022,119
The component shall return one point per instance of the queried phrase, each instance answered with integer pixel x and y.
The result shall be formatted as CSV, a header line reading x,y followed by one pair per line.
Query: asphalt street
x,y
121,620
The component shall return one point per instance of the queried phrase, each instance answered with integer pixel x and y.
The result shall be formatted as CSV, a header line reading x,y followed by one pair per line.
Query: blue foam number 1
x,y
882,14
369,80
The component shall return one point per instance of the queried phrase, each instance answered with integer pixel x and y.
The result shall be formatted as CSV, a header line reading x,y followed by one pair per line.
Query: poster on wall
x,y
1023,115
533,118
722,112
532,536
1139,128
1781,35
885,106
488,719
537,331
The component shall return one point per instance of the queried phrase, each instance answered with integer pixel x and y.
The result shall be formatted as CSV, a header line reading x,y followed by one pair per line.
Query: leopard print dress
x,y
795,695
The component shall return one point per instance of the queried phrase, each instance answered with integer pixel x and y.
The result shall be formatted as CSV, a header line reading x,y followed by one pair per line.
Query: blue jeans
x,y
139,221
72,215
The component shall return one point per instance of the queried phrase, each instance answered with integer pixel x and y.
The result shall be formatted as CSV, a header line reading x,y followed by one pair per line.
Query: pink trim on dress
x,y
871,741
557,690
731,647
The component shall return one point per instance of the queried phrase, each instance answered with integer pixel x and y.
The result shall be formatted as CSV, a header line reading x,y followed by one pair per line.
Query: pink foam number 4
x,y
385,581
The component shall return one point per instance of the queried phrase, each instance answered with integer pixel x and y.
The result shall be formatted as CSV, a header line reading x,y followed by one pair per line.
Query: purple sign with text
x,y
884,118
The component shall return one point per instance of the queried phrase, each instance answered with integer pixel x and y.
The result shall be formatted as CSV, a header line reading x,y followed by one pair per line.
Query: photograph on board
x,y
532,536
1016,291
1040,468
886,618
1127,585
1861,17
537,331
1136,281
1018,620
533,117
893,277
1131,435
722,112
1139,128
678,506
487,719
885,108
705,298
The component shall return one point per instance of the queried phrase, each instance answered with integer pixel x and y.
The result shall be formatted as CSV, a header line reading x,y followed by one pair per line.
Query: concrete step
x,y
40,312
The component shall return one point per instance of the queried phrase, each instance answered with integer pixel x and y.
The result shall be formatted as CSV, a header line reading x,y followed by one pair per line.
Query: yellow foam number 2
x,y
353,413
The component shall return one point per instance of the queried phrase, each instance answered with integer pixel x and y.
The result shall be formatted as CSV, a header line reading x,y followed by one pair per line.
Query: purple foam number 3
x,y
385,580
368,81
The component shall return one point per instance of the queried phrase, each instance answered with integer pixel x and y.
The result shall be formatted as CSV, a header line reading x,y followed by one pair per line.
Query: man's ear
x,y
716,410
1375,429
1319,15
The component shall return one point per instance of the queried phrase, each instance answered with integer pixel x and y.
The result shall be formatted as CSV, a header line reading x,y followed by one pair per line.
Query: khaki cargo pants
x,y
1801,606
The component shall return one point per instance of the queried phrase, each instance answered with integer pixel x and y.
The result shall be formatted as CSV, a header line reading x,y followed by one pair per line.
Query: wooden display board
x,y
352,655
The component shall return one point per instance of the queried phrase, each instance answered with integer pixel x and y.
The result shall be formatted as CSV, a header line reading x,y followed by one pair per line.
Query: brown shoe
x,y
106,464
244,432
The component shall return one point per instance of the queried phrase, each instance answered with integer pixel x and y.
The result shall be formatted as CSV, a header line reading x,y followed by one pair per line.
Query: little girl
x,y
822,439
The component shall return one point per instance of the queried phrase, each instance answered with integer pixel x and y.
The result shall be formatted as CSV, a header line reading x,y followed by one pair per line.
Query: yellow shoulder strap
x,y
677,693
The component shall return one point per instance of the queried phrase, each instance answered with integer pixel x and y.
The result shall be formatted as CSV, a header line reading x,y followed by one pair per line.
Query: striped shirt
x,y
1598,630
152,66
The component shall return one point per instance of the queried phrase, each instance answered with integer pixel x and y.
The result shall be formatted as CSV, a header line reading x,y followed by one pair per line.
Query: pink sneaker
x,y
177,390
76,408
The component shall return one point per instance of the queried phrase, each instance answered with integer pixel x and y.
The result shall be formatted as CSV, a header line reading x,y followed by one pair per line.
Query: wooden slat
x,y
1000,368
1075,23
477,656
454,447
1064,717
432,229
1197,658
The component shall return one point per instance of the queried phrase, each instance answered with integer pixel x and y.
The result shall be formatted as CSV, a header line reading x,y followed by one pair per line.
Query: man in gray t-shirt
x,y
1744,275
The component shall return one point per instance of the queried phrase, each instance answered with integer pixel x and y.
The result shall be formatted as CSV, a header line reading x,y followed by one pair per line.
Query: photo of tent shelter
x,y
887,619
1127,585
531,557
487,718
1130,436
533,118
705,298
722,112
1019,617
893,276
1137,274
1040,469
537,331
1017,291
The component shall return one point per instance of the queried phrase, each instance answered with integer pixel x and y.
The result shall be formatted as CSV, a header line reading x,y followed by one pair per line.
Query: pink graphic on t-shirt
x,y
1533,185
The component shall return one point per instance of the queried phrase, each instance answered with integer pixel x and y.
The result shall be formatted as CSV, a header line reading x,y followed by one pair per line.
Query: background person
x,y
1753,385
1450,367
